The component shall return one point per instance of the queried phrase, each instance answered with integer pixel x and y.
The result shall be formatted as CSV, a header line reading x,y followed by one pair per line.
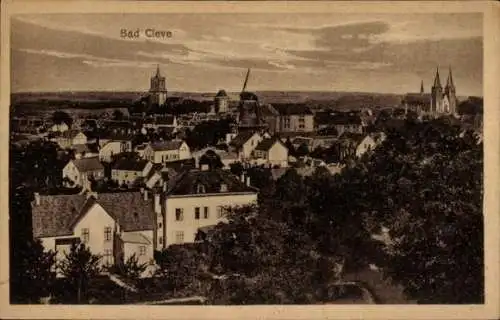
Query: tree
x,y
131,268
236,168
118,115
58,117
79,267
302,150
211,159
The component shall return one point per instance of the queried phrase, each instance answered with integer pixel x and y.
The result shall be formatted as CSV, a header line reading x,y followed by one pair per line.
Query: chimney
x,y
37,198
248,181
145,193
157,203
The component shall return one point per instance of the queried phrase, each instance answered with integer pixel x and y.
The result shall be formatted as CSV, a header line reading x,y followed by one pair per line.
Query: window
x,y
197,213
179,214
108,257
107,234
160,240
200,188
160,225
85,235
220,211
142,250
179,236
205,212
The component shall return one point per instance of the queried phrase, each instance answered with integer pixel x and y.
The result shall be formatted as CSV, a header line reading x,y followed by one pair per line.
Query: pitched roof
x,y
88,164
266,144
57,214
135,238
130,165
167,145
211,180
80,148
292,109
221,93
241,138
345,118
417,99
165,120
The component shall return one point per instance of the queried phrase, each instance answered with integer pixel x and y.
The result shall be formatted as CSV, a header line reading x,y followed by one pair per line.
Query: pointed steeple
x,y
437,81
422,87
158,70
449,82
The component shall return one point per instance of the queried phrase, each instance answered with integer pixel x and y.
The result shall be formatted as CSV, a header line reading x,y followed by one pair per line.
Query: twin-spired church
x,y
440,101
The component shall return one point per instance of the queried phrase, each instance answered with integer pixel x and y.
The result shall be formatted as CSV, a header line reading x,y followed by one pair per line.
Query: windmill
x,y
244,95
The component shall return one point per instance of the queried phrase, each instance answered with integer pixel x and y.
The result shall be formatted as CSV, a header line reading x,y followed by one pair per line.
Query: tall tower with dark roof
x,y
437,95
422,87
157,90
450,93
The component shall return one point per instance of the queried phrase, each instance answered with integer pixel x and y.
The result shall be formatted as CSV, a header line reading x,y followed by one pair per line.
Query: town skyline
x,y
383,53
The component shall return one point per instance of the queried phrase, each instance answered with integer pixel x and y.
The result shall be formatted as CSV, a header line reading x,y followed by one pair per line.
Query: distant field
x,y
42,102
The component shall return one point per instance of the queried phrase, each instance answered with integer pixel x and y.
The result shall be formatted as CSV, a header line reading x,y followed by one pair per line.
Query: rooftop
x,y
196,181
292,109
167,145
130,165
88,164
57,214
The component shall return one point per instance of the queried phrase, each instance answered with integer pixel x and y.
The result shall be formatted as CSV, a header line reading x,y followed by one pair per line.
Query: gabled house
x,y
78,172
69,138
113,147
200,198
129,171
244,144
346,122
112,225
355,145
272,152
166,122
167,151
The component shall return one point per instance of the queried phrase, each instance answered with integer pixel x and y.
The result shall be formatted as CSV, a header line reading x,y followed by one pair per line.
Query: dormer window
x,y
223,187
200,188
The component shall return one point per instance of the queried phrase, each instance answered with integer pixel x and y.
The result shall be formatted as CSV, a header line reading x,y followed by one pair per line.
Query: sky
x,y
387,53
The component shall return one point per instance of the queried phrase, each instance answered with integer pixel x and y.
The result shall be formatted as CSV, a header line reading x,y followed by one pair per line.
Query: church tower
x,y
437,95
157,90
450,93
422,87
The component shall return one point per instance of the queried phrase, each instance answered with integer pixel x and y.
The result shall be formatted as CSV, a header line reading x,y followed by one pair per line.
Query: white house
x,y
128,171
272,151
59,127
69,138
167,151
200,198
113,147
112,225
245,143
365,145
79,171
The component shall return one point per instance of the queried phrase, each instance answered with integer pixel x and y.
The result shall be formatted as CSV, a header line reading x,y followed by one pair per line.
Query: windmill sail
x,y
246,81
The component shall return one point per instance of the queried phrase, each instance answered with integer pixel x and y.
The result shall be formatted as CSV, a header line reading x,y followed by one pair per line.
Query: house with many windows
x,y
112,225
271,152
197,199
167,151
288,117
69,138
130,171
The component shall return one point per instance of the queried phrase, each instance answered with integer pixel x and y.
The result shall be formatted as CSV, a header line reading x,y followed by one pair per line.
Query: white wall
x,y
250,145
130,248
189,225
278,155
96,220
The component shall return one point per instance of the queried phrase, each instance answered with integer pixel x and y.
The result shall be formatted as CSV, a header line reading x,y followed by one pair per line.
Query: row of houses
x,y
118,225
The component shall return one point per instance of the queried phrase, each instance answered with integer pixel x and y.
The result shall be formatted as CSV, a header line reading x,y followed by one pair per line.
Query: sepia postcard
x,y
270,160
